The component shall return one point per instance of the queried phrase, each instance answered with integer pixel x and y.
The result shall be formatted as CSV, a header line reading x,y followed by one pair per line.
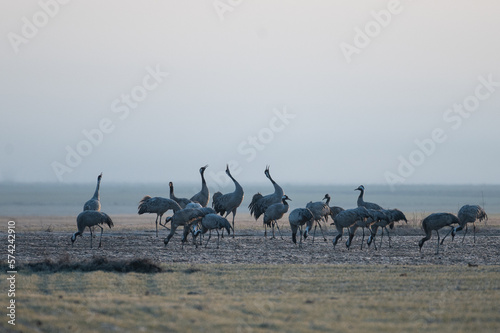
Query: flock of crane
x,y
196,218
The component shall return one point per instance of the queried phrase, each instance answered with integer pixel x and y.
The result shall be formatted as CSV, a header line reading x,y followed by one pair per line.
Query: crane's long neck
x,y
278,191
96,193
203,182
285,203
360,198
172,195
238,188
328,201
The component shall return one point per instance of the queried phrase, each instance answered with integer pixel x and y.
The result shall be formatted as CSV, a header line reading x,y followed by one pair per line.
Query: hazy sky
x,y
323,91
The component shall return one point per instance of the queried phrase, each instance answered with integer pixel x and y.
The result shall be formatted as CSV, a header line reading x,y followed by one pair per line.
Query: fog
x,y
325,92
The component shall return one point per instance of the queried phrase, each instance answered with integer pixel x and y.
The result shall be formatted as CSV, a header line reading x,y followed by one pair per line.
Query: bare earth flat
x,y
38,239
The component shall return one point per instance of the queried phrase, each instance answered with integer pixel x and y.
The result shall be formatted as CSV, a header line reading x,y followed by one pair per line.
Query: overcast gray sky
x,y
323,91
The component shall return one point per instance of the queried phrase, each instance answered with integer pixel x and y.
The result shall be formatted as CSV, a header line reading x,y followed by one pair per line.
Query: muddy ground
x,y
250,247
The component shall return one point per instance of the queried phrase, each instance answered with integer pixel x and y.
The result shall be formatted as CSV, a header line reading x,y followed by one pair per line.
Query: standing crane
x,y
185,217
391,216
202,197
228,203
469,214
377,217
260,203
274,213
435,222
321,211
212,222
159,206
297,218
90,218
346,219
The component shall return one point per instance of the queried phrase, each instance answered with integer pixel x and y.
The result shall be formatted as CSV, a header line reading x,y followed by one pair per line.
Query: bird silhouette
x,y
158,206
347,219
321,211
274,213
297,219
435,222
212,222
202,197
259,203
90,218
469,214
228,203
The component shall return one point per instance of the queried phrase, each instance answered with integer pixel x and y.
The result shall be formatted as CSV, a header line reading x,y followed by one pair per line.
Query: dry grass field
x,y
251,284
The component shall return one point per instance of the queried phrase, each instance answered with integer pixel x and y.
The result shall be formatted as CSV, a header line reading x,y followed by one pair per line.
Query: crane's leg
x,y
446,235
474,230
100,238
348,242
294,233
437,249
209,236
363,238
278,227
300,241
91,236
265,230
373,234
314,233
465,233
321,229
389,236
374,241
336,239
234,214
156,223
349,239
218,237
272,228
381,237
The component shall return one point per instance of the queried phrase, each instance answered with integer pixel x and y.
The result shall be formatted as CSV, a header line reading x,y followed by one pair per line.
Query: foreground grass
x,y
257,298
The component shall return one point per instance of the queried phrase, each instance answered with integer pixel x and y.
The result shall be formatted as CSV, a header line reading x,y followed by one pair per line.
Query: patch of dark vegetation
x,y
139,265
192,270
